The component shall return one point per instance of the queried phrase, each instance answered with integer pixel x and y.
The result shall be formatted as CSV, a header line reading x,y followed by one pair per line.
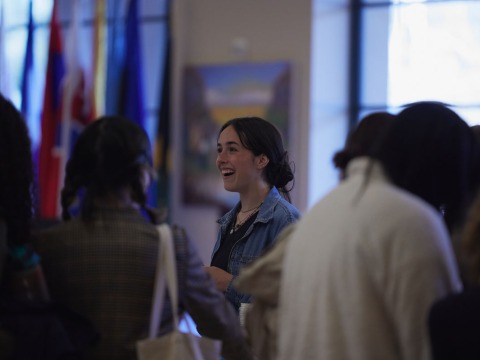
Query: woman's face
x,y
239,167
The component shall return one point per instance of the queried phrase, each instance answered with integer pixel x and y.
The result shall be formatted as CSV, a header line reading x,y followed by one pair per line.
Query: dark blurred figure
x,y
454,322
16,184
17,260
476,131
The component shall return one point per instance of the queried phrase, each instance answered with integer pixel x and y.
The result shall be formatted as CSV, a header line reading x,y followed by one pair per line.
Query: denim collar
x,y
265,214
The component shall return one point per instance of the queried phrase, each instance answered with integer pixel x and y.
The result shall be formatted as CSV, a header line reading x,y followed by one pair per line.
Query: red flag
x,y
65,112
49,162
77,111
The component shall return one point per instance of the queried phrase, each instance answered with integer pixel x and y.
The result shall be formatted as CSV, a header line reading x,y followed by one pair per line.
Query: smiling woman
x,y
253,162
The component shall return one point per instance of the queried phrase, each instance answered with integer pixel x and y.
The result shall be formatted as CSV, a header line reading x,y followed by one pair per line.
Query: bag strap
x,y
165,277
167,270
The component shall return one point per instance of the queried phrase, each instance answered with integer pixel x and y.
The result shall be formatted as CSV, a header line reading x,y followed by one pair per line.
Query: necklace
x,y
237,226
254,208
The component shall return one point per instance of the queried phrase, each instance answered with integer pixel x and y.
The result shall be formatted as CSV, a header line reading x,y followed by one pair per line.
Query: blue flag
x,y
132,99
115,61
162,188
27,66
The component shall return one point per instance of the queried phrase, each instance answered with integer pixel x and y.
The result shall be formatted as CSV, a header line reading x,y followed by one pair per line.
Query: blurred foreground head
x,y
431,152
110,160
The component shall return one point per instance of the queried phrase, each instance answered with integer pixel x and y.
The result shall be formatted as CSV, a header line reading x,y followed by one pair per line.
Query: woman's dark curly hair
x,y
262,137
16,174
110,155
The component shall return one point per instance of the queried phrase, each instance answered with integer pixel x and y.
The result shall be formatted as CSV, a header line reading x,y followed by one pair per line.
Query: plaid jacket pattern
x,y
104,269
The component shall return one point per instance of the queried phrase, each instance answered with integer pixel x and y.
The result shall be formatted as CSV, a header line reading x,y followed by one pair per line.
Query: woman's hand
x,y
219,276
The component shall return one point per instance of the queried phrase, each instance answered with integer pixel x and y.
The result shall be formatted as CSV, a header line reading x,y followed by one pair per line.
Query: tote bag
x,y
175,345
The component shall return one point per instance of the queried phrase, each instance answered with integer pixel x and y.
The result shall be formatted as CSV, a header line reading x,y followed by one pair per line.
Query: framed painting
x,y
214,94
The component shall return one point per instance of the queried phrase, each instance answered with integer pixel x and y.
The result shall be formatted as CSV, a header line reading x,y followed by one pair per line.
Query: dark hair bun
x,y
283,172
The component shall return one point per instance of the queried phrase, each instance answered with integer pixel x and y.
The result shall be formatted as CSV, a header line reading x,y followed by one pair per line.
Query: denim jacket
x,y
274,214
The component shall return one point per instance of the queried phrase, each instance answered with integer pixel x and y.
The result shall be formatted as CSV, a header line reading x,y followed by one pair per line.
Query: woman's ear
x,y
262,161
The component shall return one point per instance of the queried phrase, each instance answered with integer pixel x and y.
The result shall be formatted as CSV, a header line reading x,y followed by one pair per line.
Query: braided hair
x,y
16,174
262,137
110,155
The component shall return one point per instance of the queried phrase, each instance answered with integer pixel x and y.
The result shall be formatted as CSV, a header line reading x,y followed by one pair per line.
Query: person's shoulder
x,y
281,204
381,192
158,216
44,232
404,203
288,208
42,224
402,220
46,227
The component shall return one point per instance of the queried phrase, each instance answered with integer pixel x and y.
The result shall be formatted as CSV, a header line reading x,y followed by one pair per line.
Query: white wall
x,y
205,33
329,93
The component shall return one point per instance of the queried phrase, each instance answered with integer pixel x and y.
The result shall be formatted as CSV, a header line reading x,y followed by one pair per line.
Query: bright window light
x,y
434,54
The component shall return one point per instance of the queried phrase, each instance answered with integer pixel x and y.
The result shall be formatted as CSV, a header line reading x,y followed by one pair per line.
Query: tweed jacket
x,y
104,269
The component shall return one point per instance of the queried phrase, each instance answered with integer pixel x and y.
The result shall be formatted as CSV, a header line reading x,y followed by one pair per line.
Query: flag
x,y
131,97
4,73
99,75
77,112
27,67
28,98
124,71
49,161
115,60
162,141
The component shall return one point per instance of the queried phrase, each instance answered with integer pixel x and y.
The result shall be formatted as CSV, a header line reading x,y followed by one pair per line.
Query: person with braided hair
x,y
252,162
102,262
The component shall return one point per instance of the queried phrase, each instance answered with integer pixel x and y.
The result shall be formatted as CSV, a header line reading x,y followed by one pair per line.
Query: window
x,y
395,52
427,50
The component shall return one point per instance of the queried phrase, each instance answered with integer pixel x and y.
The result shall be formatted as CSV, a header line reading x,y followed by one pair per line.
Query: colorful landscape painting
x,y
214,94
